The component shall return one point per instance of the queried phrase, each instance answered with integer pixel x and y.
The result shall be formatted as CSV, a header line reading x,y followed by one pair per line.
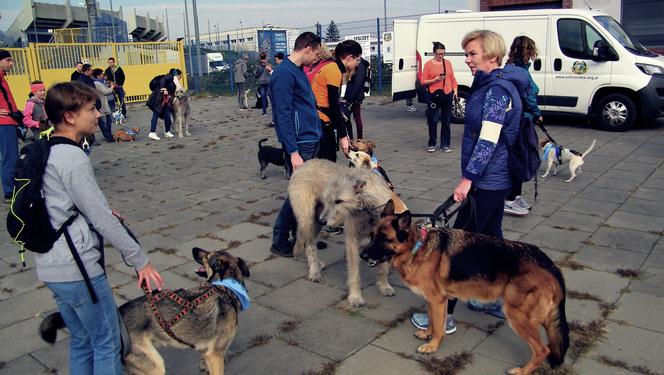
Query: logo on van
x,y
580,67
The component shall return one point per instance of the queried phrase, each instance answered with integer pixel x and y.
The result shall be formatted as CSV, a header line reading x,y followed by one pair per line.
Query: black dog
x,y
274,155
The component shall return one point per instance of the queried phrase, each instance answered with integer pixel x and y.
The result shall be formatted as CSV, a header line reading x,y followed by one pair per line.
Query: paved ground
x,y
205,191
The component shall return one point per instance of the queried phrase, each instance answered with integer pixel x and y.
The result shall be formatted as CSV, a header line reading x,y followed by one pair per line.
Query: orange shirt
x,y
329,75
433,70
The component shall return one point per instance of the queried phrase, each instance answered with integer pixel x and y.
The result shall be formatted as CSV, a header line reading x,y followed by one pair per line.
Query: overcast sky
x,y
229,13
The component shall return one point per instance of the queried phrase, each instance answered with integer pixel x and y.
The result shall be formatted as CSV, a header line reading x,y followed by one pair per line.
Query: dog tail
x,y
556,326
260,143
592,145
48,329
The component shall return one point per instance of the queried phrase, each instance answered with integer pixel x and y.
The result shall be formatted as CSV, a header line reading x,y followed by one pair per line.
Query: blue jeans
x,y
94,328
264,90
9,155
105,126
121,96
286,223
166,111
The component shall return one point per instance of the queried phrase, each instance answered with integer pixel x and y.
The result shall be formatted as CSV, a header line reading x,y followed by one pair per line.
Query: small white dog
x,y
555,154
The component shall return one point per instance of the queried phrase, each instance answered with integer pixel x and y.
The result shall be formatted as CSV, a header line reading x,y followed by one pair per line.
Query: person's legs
x,y
153,122
264,94
9,155
167,119
105,127
357,116
240,94
446,112
94,328
515,191
495,202
328,145
121,96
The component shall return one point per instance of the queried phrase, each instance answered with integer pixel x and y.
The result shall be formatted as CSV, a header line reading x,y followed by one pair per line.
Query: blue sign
x,y
272,42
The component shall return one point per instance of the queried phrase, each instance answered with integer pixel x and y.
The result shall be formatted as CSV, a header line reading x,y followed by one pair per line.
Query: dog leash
x,y
441,213
541,126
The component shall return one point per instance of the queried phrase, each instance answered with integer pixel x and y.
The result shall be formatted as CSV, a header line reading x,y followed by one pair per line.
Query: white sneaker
x,y
512,208
154,136
169,135
411,108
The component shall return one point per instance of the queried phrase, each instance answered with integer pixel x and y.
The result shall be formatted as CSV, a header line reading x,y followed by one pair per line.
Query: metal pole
x,y
438,6
198,43
384,17
112,23
218,41
168,29
209,33
34,21
242,31
380,69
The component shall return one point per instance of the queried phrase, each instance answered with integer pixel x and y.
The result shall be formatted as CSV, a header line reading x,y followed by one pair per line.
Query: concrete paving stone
x,y
606,286
601,258
633,176
209,194
512,236
548,194
257,321
276,358
243,232
188,270
153,241
127,292
583,311
345,334
23,365
656,257
174,281
24,339
264,205
504,345
522,224
591,366
181,217
544,207
256,290
632,345
384,309
555,255
302,298
654,183
184,249
650,282
482,364
334,252
401,339
604,194
644,207
162,261
590,207
55,357
636,221
554,238
254,251
372,359
20,282
120,276
640,167
641,310
574,221
23,306
227,217
335,275
193,229
252,195
6,269
647,193
624,239
241,185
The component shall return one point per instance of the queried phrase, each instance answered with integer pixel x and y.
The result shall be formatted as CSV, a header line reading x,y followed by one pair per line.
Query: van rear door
x,y
404,70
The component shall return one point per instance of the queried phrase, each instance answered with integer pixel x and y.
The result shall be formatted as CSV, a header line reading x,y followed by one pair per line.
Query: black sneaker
x,y
320,245
283,251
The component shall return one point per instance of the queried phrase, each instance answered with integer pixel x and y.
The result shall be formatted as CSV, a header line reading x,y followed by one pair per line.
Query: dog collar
x,y
424,231
238,289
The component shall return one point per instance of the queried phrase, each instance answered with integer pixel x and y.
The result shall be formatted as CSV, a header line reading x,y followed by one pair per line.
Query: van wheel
x,y
459,108
615,112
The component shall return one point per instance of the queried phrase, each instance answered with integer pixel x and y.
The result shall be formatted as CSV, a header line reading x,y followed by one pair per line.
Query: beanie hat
x,y
4,54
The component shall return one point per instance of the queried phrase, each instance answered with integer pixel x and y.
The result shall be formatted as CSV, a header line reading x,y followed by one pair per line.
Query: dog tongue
x,y
200,269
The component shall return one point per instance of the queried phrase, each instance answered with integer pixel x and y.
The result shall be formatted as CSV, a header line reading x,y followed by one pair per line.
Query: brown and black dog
x,y
443,263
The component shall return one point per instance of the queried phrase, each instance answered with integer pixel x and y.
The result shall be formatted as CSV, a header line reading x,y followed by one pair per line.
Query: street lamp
x,y
242,31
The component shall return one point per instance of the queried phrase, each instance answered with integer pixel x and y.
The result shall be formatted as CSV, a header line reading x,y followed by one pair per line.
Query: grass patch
x,y
584,336
259,341
573,294
233,244
607,308
571,264
639,369
288,326
168,251
400,318
328,368
176,146
571,229
629,273
544,369
450,365
264,236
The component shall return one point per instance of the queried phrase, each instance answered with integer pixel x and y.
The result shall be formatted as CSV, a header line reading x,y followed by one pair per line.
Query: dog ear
x,y
366,163
371,144
244,268
199,254
405,220
389,209
359,185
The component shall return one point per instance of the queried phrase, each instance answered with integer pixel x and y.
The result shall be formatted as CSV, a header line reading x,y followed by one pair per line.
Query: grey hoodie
x,y
69,183
239,71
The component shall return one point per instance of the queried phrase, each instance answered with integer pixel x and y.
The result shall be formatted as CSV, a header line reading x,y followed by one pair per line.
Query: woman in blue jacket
x,y
493,110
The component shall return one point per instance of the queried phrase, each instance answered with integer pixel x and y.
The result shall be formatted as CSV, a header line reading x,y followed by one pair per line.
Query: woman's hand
x,y
461,191
148,274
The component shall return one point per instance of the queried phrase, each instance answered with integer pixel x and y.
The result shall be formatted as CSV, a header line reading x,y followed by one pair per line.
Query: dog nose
x,y
322,222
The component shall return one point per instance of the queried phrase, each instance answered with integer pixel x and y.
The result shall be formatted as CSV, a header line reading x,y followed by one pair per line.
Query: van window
x,y
577,38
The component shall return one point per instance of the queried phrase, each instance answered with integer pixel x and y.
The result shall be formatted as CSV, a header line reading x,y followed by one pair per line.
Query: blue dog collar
x,y
374,159
237,288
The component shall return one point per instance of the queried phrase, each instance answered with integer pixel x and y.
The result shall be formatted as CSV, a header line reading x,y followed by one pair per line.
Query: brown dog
x,y
126,136
362,145
441,263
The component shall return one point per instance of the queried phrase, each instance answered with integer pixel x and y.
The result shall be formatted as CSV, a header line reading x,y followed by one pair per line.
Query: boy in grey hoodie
x,y
69,187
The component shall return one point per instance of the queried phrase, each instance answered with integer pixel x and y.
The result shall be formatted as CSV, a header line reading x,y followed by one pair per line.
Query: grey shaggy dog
x,y
181,111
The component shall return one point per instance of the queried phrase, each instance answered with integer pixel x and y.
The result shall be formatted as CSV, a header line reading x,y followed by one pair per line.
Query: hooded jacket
x,y
493,107
239,71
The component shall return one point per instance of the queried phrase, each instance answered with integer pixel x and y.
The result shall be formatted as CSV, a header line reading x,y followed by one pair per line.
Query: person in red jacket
x,y
34,115
8,126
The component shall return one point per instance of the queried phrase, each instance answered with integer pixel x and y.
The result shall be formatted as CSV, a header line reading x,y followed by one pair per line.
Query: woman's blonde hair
x,y
492,43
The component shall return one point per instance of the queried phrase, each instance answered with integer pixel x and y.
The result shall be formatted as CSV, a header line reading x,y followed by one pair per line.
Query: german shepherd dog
x,y
324,193
445,263
181,111
210,327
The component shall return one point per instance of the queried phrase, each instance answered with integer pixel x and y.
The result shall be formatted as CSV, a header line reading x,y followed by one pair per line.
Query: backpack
x,y
156,82
311,73
367,75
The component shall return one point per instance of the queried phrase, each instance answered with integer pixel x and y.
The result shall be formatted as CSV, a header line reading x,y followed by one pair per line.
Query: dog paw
x,y
427,348
180,135
422,334
315,277
321,264
356,301
515,371
386,290
188,134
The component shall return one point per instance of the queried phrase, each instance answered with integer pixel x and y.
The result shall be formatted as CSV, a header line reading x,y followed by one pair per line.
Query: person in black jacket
x,y
354,96
77,72
163,90
114,73
86,78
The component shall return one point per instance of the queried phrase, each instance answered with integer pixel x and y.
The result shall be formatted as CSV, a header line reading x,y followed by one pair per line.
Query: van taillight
x,y
419,65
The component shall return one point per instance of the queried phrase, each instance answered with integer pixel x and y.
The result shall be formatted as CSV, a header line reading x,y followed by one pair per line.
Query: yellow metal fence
x,y
54,62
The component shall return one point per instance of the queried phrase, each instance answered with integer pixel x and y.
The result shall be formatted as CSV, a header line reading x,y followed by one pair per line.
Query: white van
x,y
587,64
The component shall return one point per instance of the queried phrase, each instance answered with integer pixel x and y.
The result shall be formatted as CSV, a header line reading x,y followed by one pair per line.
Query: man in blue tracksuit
x,y
297,125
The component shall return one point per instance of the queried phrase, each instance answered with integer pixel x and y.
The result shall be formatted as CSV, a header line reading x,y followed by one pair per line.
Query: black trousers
x,y
328,144
486,217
